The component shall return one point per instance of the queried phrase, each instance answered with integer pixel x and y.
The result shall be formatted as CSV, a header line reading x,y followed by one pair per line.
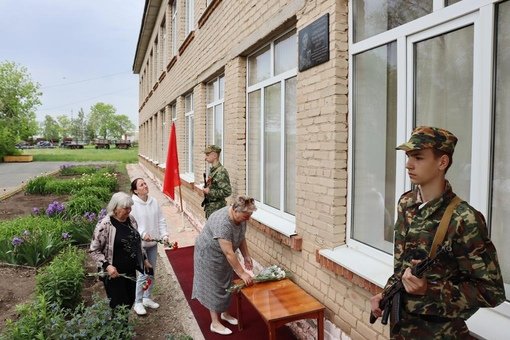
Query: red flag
x,y
172,178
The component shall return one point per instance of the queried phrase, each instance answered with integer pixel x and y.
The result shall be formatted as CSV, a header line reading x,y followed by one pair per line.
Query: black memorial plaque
x,y
313,43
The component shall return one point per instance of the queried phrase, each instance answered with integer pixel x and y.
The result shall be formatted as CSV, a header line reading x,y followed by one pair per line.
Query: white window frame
x,y
375,265
190,16
219,99
189,140
163,45
175,26
276,219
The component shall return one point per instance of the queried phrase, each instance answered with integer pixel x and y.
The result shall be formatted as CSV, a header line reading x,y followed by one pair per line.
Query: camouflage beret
x,y
212,148
426,137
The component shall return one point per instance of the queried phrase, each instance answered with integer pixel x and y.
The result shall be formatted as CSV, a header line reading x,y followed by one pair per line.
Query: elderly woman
x,y
117,248
151,226
215,258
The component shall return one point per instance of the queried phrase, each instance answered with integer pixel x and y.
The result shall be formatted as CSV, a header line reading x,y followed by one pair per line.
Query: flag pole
x,y
181,229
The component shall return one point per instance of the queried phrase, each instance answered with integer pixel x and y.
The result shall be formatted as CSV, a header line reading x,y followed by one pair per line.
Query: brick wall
x,y
232,31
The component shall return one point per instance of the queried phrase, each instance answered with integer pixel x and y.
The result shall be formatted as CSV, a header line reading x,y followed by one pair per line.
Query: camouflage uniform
x,y
461,281
219,189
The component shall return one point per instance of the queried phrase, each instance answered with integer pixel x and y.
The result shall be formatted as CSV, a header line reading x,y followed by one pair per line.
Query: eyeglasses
x,y
248,200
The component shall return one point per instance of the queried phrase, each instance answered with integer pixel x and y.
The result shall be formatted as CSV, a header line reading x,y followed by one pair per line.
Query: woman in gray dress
x,y
215,260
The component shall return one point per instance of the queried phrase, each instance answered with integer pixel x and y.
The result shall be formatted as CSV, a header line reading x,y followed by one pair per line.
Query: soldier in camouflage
x,y
462,281
217,187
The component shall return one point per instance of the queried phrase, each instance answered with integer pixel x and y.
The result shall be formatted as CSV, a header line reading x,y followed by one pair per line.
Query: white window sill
x,y
490,323
188,177
361,264
274,221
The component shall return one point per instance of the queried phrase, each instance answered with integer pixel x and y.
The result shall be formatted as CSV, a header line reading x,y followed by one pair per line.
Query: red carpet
x,y
254,327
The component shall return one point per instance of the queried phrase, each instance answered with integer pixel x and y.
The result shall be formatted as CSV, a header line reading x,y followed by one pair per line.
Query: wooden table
x,y
280,302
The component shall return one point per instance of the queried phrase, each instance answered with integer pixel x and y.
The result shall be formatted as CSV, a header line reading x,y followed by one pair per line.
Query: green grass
x,y
89,153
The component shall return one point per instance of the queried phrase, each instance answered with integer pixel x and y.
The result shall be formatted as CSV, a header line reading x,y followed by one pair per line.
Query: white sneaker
x,y
139,309
149,303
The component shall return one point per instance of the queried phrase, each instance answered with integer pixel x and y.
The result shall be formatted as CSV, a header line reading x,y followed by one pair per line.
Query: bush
x,y
62,281
37,186
102,193
32,241
79,205
96,322
37,320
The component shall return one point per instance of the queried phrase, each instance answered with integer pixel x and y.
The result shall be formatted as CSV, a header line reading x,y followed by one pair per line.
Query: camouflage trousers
x,y
415,327
213,206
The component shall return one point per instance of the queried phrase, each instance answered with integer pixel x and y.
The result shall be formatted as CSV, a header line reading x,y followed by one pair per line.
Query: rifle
x,y
206,199
391,300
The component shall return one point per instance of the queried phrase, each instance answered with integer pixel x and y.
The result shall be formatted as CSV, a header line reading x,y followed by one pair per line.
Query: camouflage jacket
x,y
218,184
461,281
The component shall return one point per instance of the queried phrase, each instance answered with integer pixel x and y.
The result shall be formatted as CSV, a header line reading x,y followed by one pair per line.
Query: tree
x,y
78,126
19,96
101,119
120,126
50,128
65,126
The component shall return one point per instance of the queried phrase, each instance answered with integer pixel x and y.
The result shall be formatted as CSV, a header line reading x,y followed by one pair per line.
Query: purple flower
x,y
90,216
36,211
54,208
66,236
102,214
16,241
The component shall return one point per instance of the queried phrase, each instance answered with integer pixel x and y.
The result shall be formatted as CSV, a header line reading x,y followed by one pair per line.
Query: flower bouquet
x,y
167,244
271,273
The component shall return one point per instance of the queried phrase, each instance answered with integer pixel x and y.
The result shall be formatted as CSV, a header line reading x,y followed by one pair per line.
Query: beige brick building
x,y
308,100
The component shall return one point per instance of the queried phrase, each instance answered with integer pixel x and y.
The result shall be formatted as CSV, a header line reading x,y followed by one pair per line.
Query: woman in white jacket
x,y
151,226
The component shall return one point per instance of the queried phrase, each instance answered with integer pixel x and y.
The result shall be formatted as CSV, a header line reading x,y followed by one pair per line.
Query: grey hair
x,y
244,204
119,200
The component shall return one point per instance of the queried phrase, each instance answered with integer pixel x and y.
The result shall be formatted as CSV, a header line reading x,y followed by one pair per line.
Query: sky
x,y
81,52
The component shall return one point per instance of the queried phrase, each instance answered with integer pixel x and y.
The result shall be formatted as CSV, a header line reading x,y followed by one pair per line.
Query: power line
x,y
83,80
83,100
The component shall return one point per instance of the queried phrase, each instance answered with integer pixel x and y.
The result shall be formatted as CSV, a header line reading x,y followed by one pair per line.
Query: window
x,y
271,130
175,19
157,60
500,209
452,71
374,143
190,17
163,48
188,134
163,147
214,112
173,112
372,17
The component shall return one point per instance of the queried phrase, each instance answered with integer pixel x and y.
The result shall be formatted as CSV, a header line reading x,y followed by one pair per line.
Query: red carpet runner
x,y
181,260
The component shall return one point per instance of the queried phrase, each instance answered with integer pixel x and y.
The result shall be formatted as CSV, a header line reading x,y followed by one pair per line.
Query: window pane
x,y
272,145
500,233
375,103
285,53
218,125
372,17
259,66
290,145
443,76
451,2
222,87
211,91
210,126
254,143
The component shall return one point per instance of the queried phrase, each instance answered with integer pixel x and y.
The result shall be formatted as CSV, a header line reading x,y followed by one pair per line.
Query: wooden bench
x,y
280,302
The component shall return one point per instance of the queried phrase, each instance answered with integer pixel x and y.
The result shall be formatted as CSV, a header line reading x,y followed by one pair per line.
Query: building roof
x,y
150,14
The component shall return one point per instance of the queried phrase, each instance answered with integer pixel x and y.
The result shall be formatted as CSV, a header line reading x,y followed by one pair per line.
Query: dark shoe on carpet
x,y
225,331
229,318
